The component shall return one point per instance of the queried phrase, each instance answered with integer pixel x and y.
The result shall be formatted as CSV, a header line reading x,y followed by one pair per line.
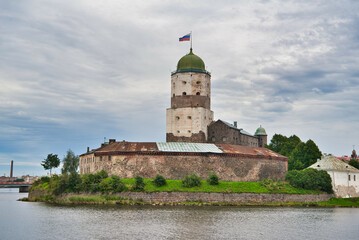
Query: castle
x,y
195,143
190,118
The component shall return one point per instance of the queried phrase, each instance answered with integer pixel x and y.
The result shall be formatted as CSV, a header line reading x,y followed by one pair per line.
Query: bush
x,y
159,181
213,179
106,185
117,184
139,184
310,179
191,181
273,185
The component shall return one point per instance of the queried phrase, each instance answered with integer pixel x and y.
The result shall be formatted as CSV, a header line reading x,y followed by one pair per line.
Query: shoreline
x,y
118,200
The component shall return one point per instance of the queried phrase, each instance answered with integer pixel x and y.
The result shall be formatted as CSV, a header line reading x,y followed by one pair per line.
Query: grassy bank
x,y
227,187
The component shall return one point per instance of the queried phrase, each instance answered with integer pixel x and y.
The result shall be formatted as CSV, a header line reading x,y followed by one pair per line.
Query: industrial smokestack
x,y
11,169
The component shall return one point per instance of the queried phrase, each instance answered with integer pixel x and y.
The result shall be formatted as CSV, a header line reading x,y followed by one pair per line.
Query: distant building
x,y
344,177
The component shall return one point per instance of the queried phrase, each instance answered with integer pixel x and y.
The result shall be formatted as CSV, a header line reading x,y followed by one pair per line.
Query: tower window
x,y
173,95
198,93
177,117
198,82
184,93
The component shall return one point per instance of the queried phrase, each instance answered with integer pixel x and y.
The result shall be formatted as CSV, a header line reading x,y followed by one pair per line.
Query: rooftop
x,y
333,163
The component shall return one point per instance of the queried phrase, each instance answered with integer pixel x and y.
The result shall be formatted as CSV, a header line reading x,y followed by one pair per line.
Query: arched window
x,y
198,93
184,93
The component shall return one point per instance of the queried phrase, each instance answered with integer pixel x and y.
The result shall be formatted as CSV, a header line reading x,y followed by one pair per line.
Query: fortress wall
x,y
227,168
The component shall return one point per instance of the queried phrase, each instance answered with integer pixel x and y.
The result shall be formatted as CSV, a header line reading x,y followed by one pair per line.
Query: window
x,y
189,131
109,158
213,139
101,158
178,131
177,117
224,139
184,82
198,93
354,177
173,95
184,93
198,82
189,117
349,177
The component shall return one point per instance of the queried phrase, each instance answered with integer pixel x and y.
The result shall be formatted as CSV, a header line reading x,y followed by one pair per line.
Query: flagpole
x,y
191,39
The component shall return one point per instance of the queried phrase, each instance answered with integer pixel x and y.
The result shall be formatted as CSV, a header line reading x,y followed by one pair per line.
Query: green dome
x,y
190,63
260,131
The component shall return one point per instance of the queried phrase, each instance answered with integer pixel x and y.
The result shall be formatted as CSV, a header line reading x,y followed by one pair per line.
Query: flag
x,y
185,38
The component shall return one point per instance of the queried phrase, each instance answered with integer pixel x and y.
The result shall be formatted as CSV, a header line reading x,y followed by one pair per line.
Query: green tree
x,y
277,142
70,162
312,153
52,161
297,157
354,163
289,145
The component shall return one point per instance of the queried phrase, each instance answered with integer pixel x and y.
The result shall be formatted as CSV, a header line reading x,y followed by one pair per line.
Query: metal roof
x,y
332,163
187,147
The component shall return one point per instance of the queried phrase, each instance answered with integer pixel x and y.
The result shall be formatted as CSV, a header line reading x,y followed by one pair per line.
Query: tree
x,y
354,163
52,161
70,162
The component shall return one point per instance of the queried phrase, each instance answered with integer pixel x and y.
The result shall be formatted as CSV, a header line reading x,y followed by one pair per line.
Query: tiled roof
x,y
239,129
228,148
178,147
332,163
187,147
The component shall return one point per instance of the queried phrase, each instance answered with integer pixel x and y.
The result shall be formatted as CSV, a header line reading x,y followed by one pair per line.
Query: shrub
x,y
191,181
213,179
139,184
311,179
273,185
105,185
117,184
159,181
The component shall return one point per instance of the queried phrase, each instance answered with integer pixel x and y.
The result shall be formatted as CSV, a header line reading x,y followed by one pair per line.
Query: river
x,y
26,220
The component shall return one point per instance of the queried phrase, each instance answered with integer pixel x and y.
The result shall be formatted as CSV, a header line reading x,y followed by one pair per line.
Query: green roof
x,y
191,63
260,131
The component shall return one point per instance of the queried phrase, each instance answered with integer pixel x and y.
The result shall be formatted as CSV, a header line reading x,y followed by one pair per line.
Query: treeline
x,y
300,154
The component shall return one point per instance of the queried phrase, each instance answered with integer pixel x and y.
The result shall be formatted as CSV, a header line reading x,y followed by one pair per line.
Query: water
x,y
25,220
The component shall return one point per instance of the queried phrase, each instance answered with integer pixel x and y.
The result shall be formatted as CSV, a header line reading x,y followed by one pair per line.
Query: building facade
x,y
175,160
344,177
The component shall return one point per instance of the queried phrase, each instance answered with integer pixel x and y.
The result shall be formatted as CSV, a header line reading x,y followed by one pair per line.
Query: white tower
x,y
190,111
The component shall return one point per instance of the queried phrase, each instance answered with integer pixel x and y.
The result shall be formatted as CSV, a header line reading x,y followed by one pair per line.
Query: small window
x,y
198,82
189,117
173,95
184,82
101,158
189,131
213,139
354,177
178,131
177,117
184,93
198,93
349,177
224,139
109,158
191,75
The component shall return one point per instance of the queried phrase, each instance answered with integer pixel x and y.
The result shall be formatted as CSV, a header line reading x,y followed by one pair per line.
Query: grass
x,y
342,202
223,187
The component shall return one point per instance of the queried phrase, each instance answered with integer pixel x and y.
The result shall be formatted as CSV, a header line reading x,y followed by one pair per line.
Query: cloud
x,y
74,72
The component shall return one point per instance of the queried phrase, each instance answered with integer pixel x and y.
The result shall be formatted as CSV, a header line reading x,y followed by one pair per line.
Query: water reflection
x,y
22,220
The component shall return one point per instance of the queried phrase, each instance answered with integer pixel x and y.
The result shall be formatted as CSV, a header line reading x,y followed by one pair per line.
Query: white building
x,y
344,177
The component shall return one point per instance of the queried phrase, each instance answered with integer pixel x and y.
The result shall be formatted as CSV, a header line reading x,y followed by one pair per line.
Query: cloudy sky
x,y
74,72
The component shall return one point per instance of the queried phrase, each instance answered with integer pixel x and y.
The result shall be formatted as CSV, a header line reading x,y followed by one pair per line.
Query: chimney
x,y
88,149
235,124
111,141
11,169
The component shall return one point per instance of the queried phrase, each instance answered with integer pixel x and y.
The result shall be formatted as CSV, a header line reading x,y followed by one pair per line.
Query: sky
x,y
75,72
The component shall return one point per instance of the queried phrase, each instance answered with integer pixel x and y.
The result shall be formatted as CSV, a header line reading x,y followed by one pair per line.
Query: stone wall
x,y
172,197
177,165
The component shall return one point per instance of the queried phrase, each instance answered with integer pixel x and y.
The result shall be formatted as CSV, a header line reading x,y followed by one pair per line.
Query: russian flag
x,y
185,38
